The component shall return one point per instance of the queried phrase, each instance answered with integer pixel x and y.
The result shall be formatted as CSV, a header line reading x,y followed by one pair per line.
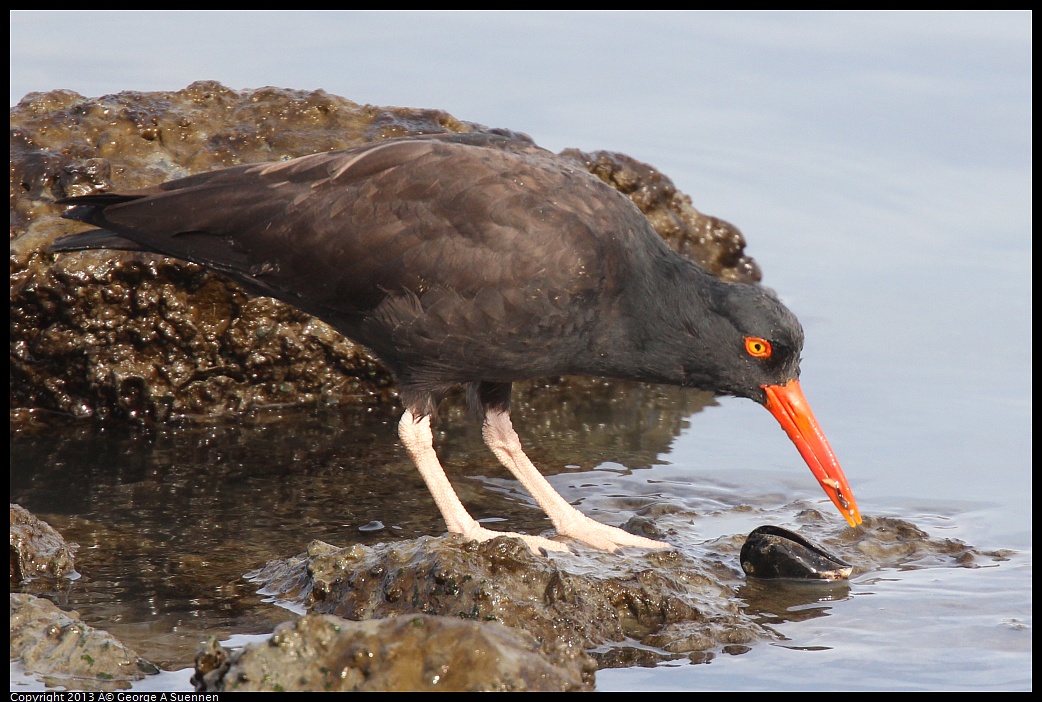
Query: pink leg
x,y
502,439
418,440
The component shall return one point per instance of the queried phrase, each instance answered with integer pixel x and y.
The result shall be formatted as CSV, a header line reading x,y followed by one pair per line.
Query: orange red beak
x,y
790,408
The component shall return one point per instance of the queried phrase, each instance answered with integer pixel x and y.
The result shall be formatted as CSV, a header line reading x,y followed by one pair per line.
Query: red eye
x,y
757,347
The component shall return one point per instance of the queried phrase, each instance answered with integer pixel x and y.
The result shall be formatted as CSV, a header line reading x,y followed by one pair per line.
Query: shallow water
x,y
880,167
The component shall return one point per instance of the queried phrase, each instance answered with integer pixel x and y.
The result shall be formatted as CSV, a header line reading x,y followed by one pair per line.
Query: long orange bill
x,y
790,408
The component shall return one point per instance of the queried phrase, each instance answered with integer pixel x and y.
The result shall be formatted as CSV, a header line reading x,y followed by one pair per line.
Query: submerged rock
x,y
584,601
37,549
58,647
416,653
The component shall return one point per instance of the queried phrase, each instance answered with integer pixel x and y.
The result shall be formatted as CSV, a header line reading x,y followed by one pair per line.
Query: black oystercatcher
x,y
478,260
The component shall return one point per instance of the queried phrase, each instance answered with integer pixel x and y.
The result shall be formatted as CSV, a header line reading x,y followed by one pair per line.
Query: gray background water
x,y
879,165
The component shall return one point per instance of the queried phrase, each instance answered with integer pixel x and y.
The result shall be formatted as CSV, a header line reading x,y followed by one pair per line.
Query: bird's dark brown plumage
x,y
467,259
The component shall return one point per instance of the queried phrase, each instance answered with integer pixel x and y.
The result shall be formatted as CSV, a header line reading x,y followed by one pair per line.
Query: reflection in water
x,y
776,601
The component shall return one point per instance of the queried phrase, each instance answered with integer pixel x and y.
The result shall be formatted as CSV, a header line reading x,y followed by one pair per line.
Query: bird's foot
x,y
536,544
608,538
581,528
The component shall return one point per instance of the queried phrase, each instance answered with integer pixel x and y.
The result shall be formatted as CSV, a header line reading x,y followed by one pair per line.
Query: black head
x,y
745,340
742,341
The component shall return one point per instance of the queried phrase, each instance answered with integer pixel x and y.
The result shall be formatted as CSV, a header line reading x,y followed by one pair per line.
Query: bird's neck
x,y
648,345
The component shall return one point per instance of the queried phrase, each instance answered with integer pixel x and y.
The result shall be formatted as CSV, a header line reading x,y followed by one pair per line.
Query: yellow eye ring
x,y
757,347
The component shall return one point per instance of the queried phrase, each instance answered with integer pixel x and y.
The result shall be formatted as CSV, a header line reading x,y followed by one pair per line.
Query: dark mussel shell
x,y
773,552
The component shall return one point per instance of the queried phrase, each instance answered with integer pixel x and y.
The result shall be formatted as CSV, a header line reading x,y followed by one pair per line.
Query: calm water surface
x,y
880,167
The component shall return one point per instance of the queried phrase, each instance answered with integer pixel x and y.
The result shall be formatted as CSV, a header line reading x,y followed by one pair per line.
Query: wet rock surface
x,y
398,654
146,338
630,608
64,652
664,600
38,550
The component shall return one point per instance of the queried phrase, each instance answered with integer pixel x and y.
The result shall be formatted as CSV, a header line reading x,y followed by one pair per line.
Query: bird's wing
x,y
340,231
